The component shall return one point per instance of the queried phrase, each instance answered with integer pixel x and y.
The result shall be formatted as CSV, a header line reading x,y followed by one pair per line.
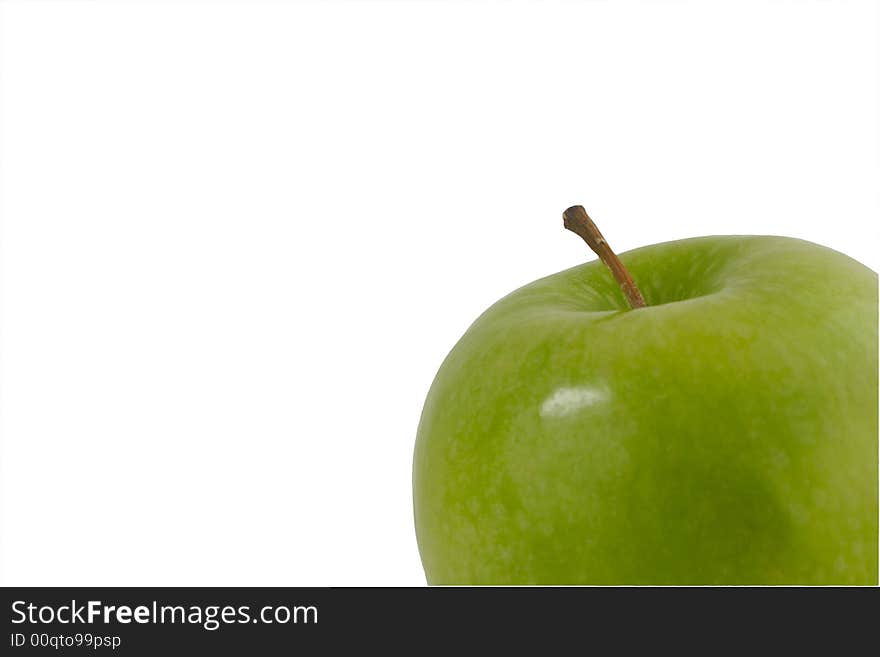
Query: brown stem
x,y
578,221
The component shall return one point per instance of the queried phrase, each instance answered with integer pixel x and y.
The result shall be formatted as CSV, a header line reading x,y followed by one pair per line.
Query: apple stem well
x,y
578,221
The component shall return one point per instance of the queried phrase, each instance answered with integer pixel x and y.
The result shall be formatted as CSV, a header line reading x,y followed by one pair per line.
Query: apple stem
x,y
578,221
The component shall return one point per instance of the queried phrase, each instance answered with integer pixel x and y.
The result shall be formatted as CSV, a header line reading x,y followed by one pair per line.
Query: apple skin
x,y
725,434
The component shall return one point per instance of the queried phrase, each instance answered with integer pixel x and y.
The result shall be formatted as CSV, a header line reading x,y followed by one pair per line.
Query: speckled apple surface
x,y
725,434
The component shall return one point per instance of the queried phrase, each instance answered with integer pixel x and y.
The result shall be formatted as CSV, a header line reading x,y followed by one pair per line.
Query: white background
x,y
238,240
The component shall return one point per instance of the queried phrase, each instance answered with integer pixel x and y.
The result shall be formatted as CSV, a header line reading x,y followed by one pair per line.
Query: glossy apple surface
x,y
725,434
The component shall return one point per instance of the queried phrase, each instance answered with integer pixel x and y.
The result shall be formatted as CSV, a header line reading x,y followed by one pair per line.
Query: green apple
x,y
725,433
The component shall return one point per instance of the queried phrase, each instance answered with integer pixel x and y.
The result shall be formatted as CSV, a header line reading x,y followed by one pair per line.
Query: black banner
x,y
133,621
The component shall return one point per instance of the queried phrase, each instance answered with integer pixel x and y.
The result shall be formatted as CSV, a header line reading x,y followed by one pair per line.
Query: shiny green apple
x,y
724,434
